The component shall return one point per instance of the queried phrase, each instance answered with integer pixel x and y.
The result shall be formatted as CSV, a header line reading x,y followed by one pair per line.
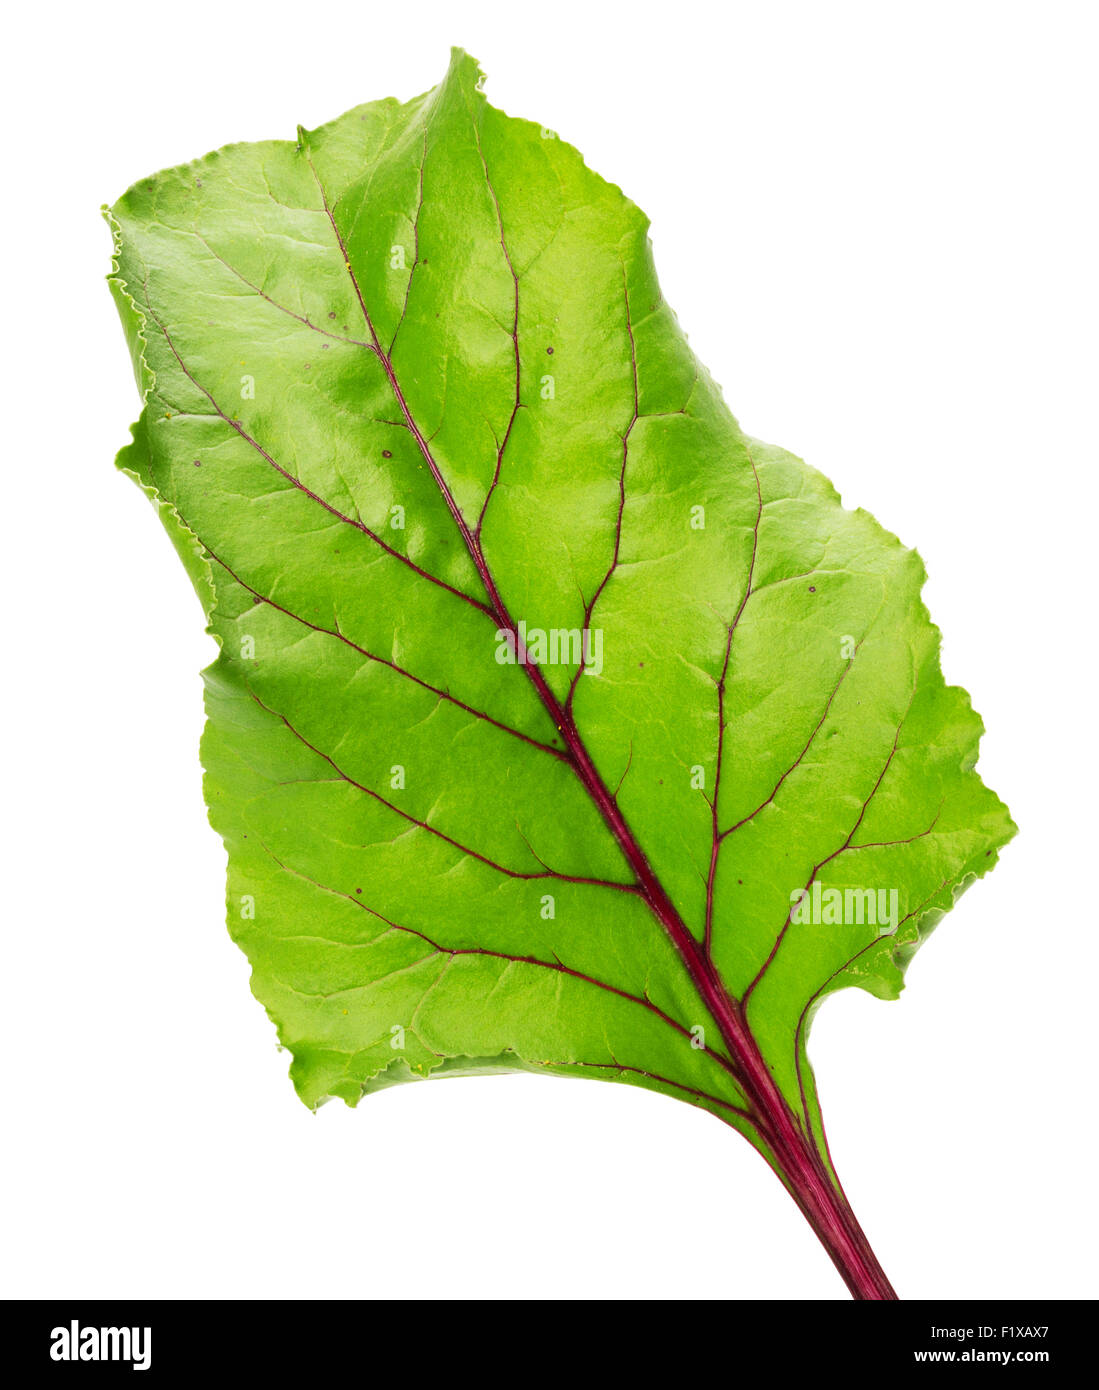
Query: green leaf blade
x,y
409,382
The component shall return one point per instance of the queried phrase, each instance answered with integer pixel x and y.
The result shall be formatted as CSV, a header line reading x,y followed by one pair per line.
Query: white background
x,y
878,224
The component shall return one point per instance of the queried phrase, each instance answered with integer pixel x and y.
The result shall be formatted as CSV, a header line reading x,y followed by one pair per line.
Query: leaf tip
x,y
465,68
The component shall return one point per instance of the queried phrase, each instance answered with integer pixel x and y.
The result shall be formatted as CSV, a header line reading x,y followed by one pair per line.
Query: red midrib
x,y
799,1162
